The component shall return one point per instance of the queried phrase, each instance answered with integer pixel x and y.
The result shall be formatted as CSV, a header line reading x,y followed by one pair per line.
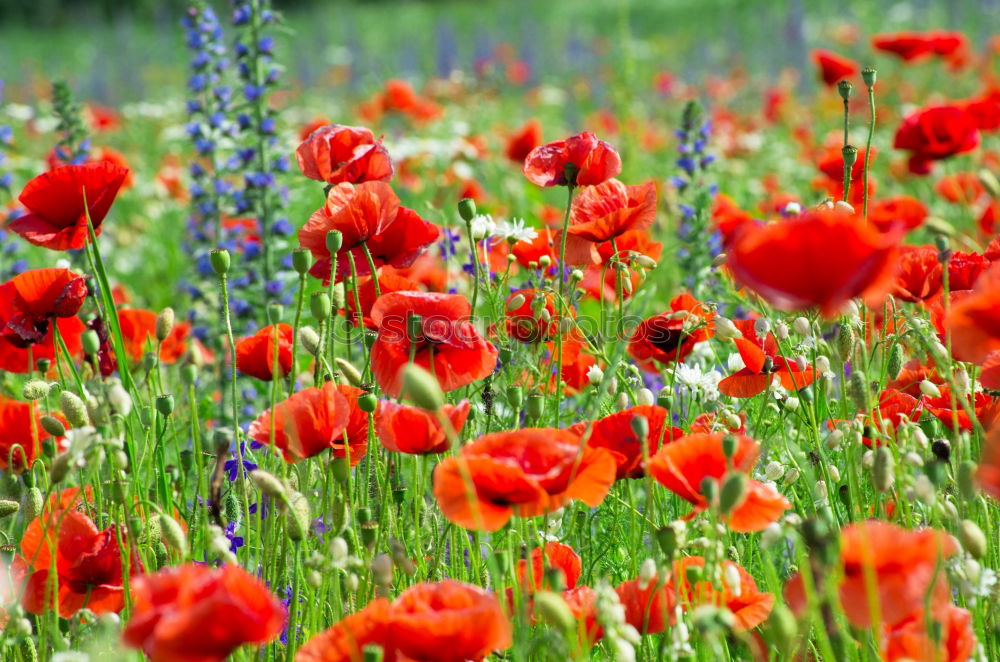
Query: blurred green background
x,y
115,52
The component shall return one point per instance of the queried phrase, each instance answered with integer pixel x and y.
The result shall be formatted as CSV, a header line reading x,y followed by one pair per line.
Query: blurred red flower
x,y
936,133
762,364
834,68
255,354
20,425
337,153
525,139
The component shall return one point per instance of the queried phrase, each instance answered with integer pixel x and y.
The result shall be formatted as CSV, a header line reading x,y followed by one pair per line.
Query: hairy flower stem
x,y
868,145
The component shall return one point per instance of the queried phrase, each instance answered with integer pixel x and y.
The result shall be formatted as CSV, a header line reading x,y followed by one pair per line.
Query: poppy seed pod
x,y
535,405
467,209
368,403
334,240
60,468
275,311
164,323
319,305
868,75
845,90
165,404
515,397
301,258
421,387
220,261
73,409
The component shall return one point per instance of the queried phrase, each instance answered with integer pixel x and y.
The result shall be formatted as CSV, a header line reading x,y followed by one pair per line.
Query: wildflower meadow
x,y
447,332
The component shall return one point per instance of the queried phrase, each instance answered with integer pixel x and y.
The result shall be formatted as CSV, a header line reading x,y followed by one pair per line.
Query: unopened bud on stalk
x,y
640,427
859,392
32,503
164,323
467,209
761,327
91,342
319,305
545,262
967,480
297,518
781,331
350,373
220,261
515,302
972,538
884,469
309,339
841,205
73,409
275,311
733,492
895,361
268,484
802,327
930,389
8,508
334,240
645,261
60,468
710,490
421,387
990,183
120,400
725,329
173,533
644,397
719,260
844,342
36,389
53,426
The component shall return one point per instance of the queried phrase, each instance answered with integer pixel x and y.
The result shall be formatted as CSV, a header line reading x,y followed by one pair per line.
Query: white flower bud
x,y
791,475
622,402
647,573
823,363
802,327
840,205
595,375
792,403
731,576
834,473
725,329
644,397
792,209
781,331
868,459
930,389
761,327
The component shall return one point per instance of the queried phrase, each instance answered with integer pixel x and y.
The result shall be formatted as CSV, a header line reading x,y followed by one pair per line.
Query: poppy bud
x,y
53,426
729,446
710,490
844,342
421,387
8,508
595,375
340,470
621,403
268,484
930,389
467,209
174,534
319,305
372,653
733,492
31,503
640,427
36,389
275,311
334,240
989,182
535,406
576,275
551,607
367,403
297,518
845,89
73,409
895,361
868,75
972,538
189,374
350,373
29,653
967,480
231,506
369,533
60,468
165,404
220,261
300,260
859,392
91,342
309,339
164,323
792,475
645,261
884,469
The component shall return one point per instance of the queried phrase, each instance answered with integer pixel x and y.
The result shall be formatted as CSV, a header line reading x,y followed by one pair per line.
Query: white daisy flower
x,y
515,230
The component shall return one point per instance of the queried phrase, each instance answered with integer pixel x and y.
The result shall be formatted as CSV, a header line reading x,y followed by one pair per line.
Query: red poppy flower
x,y
748,605
18,358
346,640
255,354
526,472
527,138
631,244
964,270
834,68
907,46
974,321
306,424
448,621
20,425
449,346
527,324
555,555
986,408
729,219
683,465
580,160
359,212
893,406
416,431
649,607
88,563
337,153
139,336
575,363
960,188
936,133
531,251
56,217
608,210
985,111
615,433
920,274
988,472
389,280
954,641
669,337
831,164
763,364
906,566
822,259
30,300
901,212
196,613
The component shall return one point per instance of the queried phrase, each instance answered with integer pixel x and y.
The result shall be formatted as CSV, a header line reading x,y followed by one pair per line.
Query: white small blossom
x,y
515,230
594,375
483,226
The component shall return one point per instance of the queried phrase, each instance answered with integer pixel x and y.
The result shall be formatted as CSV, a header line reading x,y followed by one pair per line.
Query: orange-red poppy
x,y
526,322
729,219
416,431
960,188
936,133
580,160
906,567
255,354
909,640
525,472
306,424
893,406
988,472
389,280
359,212
337,153
669,337
196,613
762,365
31,305
139,336
554,555
527,138
821,259
87,562
346,640
901,212
631,244
610,209
907,46
649,606
683,465
448,345
920,274
834,68
56,217
616,434
20,425
964,269
974,321
986,408
748,605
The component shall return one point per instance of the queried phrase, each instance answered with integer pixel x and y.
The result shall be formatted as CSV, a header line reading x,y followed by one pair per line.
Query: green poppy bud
x,y
298,517
173,534
275,311
733,492
421,387
319,305
535,405
350,373
32,503
972,538
309,339
640,427
36,389
884,469
268,484
165,404
967,480
467,209
515,397
8,508
552,608
164,323
859,392
91,342
53,426
220,261
73,409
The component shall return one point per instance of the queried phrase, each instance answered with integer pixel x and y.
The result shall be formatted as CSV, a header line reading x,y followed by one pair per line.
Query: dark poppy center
x,y
666,340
